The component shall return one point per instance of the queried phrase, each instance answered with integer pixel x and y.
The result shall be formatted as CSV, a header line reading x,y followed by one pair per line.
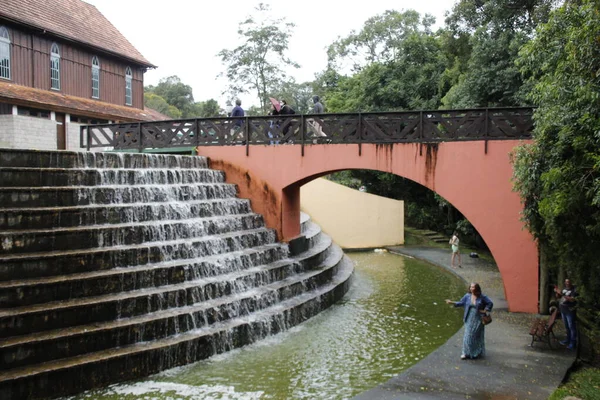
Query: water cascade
x,y
117,266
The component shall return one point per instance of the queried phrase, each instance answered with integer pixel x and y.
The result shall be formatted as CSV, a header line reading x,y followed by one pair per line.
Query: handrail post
x,y
197,132
247,135
140,146
302,133
486,133
421,125
360,134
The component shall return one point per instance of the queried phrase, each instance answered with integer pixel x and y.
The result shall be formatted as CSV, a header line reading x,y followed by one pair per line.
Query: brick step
x,y
36,177
64,217
70,159
24,292
64,262
110,235
112,194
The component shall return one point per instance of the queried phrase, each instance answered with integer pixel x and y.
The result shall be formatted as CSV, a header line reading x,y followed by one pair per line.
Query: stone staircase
x,y
117,266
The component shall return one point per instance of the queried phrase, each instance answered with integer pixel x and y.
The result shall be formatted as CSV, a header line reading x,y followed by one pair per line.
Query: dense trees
x,y
558,176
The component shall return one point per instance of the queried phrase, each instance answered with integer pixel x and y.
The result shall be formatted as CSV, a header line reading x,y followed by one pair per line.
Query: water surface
x,y
393,316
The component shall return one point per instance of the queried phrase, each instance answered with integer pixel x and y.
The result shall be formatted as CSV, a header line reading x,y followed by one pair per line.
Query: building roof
x,y
54,101
74,20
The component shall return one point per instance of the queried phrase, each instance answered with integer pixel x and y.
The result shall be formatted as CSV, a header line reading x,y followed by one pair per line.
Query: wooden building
x,y
62,64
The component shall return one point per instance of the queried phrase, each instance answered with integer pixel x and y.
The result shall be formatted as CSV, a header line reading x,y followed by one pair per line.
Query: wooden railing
x,y
385,127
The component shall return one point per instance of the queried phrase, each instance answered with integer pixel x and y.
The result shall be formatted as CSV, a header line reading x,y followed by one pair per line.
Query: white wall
x,y
23,132
353,219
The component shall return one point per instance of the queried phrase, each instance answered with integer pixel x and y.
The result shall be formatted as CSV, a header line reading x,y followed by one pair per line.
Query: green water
x,y
393,316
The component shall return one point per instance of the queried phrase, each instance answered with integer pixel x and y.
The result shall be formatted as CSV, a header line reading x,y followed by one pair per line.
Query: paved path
x,y
510,370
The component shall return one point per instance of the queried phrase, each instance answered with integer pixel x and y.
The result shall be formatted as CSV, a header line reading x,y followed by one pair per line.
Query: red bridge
x,y
463,155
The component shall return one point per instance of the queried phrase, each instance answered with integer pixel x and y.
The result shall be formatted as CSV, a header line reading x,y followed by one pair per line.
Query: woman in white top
x,y
455,251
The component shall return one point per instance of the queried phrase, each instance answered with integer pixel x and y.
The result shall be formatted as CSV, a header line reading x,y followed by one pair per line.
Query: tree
x,y
380,39
208,109
558,176
155,102
259,63
176,93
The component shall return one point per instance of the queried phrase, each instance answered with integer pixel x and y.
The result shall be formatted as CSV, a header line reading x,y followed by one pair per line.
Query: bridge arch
x,y
474,176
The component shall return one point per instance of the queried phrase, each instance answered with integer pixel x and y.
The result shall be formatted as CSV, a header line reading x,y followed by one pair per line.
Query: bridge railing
x,y
384,127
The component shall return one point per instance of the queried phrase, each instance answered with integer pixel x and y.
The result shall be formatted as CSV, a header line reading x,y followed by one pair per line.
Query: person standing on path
x,y
476,304
566,304
455,250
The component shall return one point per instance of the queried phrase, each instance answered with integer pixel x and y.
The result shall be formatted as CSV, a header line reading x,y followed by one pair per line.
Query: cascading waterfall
x,y
115,266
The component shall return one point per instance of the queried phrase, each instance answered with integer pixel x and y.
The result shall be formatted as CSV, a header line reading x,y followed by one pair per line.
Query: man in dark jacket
x,y
317,107
237,113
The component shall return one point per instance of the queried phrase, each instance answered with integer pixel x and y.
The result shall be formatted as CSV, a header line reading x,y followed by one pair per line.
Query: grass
x,y
584,383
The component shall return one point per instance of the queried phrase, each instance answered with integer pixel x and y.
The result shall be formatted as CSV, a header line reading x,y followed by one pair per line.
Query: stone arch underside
x,y
473,176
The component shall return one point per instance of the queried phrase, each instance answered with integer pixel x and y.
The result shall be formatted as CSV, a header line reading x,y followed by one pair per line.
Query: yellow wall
x,y
353,219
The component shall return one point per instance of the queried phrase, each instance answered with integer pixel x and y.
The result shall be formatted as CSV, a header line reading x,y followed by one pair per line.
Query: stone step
x,y
111,235
69,159
242,293
53,315
36,177
250,290
112,194
63,217
103,367
36,265
24,292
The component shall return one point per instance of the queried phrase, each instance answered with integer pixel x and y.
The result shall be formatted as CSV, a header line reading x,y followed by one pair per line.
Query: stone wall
x,y
22,132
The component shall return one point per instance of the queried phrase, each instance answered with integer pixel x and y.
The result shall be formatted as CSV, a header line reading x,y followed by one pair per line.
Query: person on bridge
x,y
237,113
566,304
476,304
455,250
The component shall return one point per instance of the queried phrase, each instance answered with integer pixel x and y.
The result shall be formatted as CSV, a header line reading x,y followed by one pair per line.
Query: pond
x,y
392,317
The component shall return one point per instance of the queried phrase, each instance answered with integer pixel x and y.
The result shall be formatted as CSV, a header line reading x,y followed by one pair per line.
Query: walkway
x,y
510,370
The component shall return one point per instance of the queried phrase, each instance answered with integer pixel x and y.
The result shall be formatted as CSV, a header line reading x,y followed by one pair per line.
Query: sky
x,y
183,37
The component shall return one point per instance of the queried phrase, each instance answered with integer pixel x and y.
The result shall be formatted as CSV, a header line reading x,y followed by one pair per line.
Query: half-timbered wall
x,y
30,66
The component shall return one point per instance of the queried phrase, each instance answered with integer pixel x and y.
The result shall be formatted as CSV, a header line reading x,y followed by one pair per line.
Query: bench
x,y
541,329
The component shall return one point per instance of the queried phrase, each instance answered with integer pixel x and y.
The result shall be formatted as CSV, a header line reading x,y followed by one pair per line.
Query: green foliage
x,y
259,63
558,175
175,93
583,384
380,40
155,102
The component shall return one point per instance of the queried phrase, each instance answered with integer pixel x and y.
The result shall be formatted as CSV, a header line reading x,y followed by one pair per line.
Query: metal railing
x,y
385,127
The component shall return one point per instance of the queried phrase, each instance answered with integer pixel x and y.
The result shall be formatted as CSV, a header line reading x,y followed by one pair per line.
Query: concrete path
x,y
510,370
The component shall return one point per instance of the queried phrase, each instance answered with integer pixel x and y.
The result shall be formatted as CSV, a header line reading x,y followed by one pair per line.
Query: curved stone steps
x,y
304,219
52,315
19,197
101,368
121,234
94,214
281,280
71,159
94,283
36,177
32,265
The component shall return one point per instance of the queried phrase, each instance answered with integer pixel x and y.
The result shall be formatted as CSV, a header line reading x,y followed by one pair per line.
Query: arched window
x,y
54,67
128,94
4,53
95,78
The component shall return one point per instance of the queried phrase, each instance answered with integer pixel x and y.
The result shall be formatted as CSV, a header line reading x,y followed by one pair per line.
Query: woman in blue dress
x,y
476,305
